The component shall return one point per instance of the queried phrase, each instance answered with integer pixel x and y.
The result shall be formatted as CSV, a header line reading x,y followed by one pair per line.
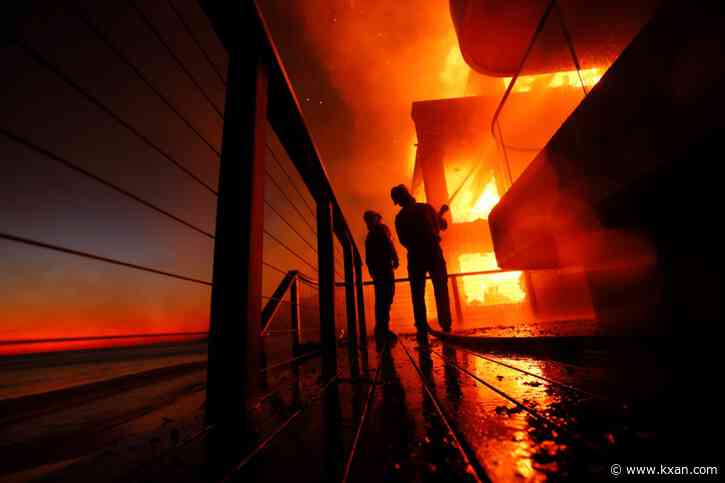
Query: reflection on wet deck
x,y
409,410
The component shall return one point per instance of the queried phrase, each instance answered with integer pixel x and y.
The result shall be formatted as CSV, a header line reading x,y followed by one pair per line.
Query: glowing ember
x,y
570,78
496,288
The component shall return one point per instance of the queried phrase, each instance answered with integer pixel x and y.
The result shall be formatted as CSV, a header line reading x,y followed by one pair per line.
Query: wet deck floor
x,y
440,412
415,411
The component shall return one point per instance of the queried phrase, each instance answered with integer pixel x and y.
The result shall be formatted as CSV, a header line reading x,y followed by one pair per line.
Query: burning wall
x,y
460,163
459,166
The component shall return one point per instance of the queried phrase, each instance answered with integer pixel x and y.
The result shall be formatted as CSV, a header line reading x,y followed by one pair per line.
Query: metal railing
x,y
258,88
275,208
486,304
450,275
289,285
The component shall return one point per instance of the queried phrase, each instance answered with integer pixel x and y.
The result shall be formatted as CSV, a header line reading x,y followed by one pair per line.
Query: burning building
x,y
471,150
459,163
457,166
598,189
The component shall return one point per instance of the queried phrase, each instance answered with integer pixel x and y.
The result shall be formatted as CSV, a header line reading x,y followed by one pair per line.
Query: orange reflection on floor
x,y
526,454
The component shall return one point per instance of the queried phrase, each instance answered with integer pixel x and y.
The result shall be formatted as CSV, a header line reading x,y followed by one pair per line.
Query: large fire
x,y
488,289
465,208
473,200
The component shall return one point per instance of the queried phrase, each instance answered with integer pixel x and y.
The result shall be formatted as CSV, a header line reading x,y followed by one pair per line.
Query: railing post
x,y
296,328
347,257
326,268
295,325
457,300
234,331
360,300
350,294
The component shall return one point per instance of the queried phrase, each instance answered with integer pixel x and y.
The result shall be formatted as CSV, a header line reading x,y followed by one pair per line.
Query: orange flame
x,y
469,206
484,289
568,78
465,208
495,288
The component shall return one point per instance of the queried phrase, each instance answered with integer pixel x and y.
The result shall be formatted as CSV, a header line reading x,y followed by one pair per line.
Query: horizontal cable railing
x,y
450,275
182,66
91,256
57,70
108,43
125,142
496,298
195,39
78,169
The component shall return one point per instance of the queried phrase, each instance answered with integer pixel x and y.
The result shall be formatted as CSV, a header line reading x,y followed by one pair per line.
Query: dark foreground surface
x,y
403,410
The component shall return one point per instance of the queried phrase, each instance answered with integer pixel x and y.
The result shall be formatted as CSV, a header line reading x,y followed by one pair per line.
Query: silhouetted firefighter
x,y
381,259
418,226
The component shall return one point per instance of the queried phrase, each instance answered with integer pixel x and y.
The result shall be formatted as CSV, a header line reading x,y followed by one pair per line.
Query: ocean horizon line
x,y
101,337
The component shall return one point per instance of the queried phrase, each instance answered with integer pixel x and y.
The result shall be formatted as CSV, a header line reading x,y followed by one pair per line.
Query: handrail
x,y
272,306
450,275
307,279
